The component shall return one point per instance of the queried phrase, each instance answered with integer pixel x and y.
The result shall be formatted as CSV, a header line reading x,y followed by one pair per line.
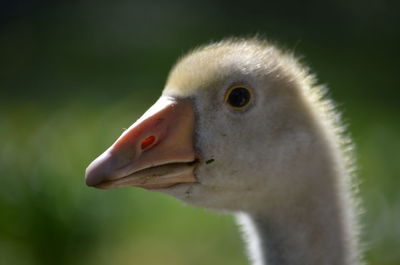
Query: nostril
x,y
147,142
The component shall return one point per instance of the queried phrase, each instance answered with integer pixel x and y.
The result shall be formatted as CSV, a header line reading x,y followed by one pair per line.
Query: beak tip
x,y
91,178
98,170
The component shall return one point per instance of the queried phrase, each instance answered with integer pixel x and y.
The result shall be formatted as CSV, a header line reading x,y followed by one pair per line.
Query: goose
x,y
241,127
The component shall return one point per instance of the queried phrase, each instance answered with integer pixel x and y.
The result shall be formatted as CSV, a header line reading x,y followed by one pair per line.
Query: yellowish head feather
x,y
212,63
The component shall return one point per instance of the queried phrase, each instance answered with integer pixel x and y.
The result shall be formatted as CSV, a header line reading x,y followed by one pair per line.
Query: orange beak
x,y
156,152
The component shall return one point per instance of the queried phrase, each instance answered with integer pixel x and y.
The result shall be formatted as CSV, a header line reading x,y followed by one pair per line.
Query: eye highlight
x,y
238,97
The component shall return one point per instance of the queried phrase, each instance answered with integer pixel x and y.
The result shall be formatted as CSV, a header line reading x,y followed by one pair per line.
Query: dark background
x,y
75,73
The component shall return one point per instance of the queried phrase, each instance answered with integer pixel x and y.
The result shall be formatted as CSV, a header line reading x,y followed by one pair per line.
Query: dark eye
x,y
238,97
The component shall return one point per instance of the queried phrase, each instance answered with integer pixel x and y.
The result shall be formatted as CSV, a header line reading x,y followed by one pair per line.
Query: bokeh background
x,y
75,73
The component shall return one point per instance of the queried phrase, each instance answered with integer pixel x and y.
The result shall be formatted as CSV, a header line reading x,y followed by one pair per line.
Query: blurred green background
x,y
75,73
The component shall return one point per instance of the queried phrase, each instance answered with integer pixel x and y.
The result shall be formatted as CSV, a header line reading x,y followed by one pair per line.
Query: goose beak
x,y
156,152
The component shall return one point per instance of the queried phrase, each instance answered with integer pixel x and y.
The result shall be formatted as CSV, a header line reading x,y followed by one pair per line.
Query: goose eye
x,y
238,97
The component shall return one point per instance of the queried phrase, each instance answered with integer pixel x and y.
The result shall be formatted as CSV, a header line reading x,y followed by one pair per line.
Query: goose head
x,y
231,128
